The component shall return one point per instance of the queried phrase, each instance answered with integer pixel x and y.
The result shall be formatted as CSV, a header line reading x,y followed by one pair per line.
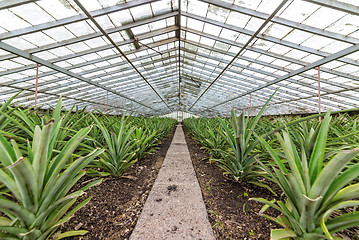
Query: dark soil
x,y
117,203
231,213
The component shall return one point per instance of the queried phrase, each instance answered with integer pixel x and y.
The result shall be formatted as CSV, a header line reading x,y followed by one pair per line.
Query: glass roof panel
x,y
59,33
32,14
141,12
299,11
323,17
20,43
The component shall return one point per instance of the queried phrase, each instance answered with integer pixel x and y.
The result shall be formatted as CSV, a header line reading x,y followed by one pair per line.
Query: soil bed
x,y
117,203
231,213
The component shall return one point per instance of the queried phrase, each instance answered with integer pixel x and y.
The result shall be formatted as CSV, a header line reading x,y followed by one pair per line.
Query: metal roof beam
x,y
93,62
288,96
55,95
73,19
31,57
169,77
63,89
153,79
267,20
344,75
4,4
337,5
260,36
228,81
282,21
273,75
85,99
98,49
325,60
97,34
339,85
206,56
311,96
103,81
89,15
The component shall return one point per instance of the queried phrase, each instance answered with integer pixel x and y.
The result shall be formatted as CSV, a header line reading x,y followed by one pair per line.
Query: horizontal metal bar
x,y
95,35
94,50
243,86
341,85
252,36
30,57
263,37
4,4
337,5
229,81
282,21
56,95
73,19
92,62
332,57
312,96
107,81
63,88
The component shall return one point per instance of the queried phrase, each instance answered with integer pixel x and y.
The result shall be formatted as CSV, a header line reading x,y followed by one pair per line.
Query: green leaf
x,y
286,234
7,153
330,171
263,185
316,160
72,234
26,182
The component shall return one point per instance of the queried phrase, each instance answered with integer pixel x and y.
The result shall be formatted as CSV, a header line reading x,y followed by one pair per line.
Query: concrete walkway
x,y
175,208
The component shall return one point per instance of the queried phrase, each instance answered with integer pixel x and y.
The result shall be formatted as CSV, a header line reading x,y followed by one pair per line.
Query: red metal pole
x,y
107,102
226,110
36,84
320,118
250,100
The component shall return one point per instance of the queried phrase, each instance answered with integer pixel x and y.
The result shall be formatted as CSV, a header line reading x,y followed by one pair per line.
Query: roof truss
x,y
194,68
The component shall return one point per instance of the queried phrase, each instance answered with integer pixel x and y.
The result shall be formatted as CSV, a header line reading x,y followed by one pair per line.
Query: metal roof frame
x,y
183,73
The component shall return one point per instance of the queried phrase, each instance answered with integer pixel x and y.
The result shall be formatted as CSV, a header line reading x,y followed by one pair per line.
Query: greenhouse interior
x,y
179,119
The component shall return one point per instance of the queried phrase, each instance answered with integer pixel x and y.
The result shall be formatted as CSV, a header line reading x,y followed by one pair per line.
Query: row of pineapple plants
x,y
314,164
44,154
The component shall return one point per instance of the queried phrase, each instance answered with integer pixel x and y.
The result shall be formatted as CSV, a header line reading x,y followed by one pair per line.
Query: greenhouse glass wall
x,y
265,92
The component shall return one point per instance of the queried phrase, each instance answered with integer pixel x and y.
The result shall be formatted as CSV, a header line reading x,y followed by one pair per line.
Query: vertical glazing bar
x,y
320,118
36,84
